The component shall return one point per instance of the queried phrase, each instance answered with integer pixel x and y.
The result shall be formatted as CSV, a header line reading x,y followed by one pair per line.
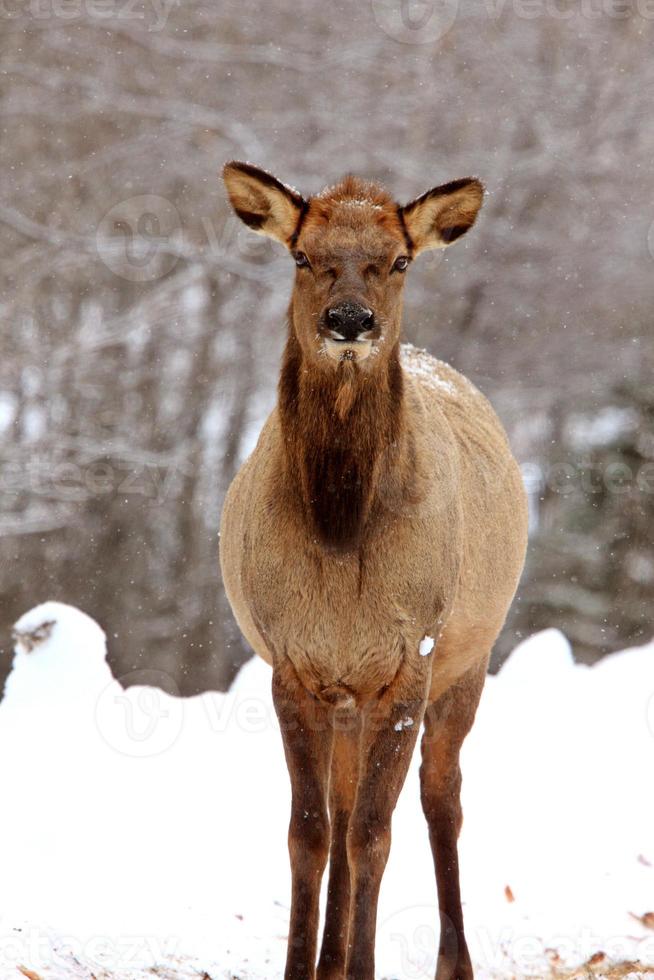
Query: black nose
x,y
349,320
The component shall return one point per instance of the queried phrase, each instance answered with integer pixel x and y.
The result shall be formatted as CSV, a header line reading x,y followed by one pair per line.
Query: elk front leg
x,y
342,791
447,722
390,730
307,735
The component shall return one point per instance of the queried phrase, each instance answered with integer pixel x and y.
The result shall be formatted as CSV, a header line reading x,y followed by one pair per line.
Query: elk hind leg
x,y
447,721
307,736
342,792
388,738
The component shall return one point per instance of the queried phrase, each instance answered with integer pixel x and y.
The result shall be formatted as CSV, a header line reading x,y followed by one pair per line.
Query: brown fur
x,y
381,505
337,432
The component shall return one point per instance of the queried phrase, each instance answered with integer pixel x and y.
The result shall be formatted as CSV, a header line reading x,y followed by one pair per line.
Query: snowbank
x,y
141,831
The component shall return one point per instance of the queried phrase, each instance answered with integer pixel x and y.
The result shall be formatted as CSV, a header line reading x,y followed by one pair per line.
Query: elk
x,y
370,548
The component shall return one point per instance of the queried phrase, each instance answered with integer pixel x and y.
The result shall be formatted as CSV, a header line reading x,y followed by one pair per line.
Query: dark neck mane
x,y
343,430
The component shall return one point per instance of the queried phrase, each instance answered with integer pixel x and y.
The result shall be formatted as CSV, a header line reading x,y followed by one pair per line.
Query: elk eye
x,y
301,260
400,264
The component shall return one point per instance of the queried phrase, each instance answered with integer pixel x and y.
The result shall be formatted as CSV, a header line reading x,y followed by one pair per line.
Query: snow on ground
x,y
143,835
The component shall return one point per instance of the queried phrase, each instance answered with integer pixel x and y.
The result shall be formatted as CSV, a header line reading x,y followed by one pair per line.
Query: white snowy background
x,y
145,835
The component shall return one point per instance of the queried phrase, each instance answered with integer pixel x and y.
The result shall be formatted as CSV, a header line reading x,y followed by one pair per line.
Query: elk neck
x,y
348,443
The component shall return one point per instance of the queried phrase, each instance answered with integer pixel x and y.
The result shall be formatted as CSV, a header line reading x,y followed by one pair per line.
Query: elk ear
x,y
260,200
443,214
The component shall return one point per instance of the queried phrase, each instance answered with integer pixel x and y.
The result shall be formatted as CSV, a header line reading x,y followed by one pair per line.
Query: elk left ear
x,y
261,201
443,214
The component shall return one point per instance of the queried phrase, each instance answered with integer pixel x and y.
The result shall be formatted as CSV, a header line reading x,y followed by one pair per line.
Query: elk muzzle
x,y
348,329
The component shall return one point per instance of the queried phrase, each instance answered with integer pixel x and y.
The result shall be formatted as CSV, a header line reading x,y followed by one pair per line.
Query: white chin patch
x,y
348,350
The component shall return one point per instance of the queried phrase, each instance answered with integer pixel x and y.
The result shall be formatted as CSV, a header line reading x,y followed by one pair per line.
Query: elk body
x,y
381,509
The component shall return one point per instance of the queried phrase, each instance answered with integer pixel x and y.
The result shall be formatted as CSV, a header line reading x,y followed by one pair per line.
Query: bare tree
x,y
141,329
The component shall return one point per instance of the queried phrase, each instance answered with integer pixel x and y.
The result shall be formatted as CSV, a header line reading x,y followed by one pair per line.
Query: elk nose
x,y
348,320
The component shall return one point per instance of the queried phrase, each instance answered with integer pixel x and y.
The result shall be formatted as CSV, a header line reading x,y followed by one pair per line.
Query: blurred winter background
x,y
141,326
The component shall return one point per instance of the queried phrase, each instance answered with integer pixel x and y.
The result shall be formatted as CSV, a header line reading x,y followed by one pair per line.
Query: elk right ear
x,y
265,204
443,214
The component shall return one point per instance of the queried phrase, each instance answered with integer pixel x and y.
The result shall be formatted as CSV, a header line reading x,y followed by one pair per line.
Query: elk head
x,y
352,245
